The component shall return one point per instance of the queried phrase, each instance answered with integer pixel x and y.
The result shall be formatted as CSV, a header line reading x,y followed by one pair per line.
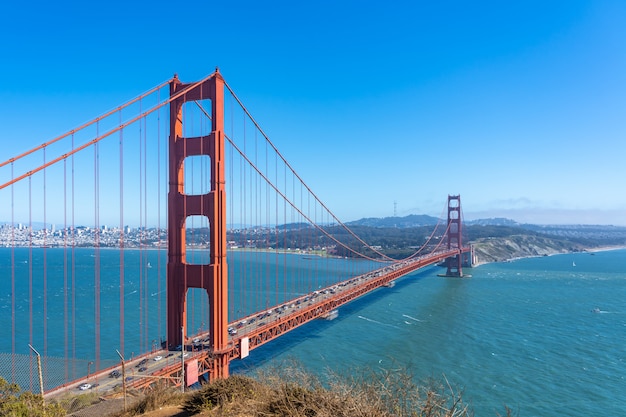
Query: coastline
x,y
605,248
547,252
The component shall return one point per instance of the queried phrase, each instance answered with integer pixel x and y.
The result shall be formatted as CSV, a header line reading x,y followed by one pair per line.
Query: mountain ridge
x,y
418,220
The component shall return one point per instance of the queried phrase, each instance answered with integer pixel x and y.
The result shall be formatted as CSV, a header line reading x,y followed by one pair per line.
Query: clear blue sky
x,y
520,107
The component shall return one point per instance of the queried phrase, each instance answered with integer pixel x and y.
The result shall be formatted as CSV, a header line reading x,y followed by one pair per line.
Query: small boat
x,y
573,263
331,315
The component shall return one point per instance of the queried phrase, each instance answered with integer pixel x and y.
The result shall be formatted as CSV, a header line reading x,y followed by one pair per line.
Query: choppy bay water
x,y
545,336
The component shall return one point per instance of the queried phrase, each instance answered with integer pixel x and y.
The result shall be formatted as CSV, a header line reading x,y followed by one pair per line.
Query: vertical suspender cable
x,y
309,278
142,334
158,185
261,257
45,270
284,238
276,229
247,189
299,243
65,272
73,274
30,271
146,213
244,196
259,222
97,252
266,273
306,239
317,273
241,178
145,224
122,231
254,207
12,277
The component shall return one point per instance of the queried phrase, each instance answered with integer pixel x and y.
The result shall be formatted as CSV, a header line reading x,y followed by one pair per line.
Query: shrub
x,y
17,403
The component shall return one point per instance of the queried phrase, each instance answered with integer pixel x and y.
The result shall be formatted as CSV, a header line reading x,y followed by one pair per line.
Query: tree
x,y
17,403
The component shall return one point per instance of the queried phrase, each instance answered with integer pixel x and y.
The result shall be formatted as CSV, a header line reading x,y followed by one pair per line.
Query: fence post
x,y
39,371
123,377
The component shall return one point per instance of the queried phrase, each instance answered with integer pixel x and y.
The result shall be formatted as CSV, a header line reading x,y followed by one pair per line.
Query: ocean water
x,y
545,336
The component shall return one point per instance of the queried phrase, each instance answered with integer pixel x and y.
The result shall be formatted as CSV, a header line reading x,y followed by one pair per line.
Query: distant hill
x,y
497,221
499,249
494,239
412,220
419,220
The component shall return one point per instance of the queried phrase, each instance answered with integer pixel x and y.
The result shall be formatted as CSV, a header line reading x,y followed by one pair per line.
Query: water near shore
x,y
544,336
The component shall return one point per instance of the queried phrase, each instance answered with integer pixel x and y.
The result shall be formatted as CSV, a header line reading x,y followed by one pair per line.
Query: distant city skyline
x,y
381,109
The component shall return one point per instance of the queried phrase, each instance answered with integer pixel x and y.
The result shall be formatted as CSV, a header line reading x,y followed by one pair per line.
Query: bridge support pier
x,y
181,276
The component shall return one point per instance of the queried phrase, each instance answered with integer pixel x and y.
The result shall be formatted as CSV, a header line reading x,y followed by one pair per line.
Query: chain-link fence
x,y
22,370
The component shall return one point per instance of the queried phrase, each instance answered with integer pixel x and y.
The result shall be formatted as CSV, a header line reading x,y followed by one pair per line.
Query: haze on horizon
x,y
519,108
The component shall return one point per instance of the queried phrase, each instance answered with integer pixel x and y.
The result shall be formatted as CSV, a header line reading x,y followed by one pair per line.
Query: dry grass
x,y
290,391
155,399
224,393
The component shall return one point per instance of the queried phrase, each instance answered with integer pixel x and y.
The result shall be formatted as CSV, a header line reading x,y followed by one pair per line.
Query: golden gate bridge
x,y
200,182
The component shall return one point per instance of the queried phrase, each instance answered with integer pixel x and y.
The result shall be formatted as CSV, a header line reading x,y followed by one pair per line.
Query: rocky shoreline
x,y
502,249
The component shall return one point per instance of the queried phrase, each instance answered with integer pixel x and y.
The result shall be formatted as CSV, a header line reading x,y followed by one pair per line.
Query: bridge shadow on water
x,y
265,354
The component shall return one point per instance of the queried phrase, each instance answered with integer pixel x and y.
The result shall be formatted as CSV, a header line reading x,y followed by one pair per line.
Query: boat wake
x,y
378,322
412,318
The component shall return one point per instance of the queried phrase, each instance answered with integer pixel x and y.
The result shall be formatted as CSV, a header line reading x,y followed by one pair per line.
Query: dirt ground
x,y
110,407
168,411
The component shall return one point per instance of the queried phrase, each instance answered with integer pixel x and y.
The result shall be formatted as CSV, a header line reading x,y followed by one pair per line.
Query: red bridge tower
x,y
180,275
455,264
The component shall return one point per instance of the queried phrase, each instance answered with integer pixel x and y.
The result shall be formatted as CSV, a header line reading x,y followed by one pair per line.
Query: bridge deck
x,y
260,328
257,329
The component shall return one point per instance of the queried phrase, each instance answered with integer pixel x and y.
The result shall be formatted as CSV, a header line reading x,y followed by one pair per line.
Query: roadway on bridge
x,y
151,366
